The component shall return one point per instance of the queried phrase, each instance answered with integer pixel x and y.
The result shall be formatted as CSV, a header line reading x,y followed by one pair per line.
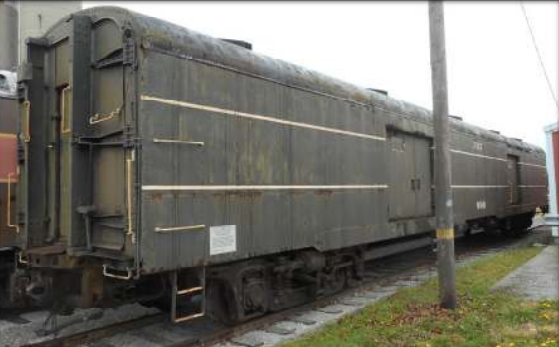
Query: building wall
x,y
35,17
8,35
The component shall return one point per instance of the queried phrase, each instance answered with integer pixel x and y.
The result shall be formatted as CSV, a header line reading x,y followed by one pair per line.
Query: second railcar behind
x,y
8,180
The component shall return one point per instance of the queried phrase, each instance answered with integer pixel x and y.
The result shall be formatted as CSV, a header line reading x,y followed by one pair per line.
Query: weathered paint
x,y
291,158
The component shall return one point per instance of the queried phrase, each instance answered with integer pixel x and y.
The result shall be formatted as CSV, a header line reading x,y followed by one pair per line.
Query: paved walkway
x,y
538,279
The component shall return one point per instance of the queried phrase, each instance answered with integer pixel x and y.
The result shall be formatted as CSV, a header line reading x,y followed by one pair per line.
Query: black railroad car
x,y
163,164
8,180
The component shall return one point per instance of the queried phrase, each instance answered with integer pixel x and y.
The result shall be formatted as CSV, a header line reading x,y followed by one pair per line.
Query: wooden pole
x,y
443,191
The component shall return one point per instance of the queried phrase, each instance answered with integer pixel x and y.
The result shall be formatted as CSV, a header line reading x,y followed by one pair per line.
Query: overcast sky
x,y
494,77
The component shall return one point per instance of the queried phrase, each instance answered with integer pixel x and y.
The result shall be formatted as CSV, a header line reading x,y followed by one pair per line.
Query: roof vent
x,y
380,91
240,43
455,117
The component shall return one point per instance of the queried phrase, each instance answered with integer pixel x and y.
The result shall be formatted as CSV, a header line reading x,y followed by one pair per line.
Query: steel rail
x,y
390,269
92,335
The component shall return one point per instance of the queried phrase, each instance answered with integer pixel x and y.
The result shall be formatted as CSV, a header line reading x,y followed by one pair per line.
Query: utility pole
x,y
444,221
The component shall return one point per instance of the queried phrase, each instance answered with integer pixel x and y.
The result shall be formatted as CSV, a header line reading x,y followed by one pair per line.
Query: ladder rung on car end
x,y
192,291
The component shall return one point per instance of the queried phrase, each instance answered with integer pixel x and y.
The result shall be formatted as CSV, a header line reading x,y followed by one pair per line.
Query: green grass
x,y
411,317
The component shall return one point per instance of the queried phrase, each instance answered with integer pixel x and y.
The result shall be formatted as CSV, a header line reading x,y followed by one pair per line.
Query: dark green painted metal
x,y
159,59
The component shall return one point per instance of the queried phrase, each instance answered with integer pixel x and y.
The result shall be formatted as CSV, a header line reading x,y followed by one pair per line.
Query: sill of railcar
x,y
104,254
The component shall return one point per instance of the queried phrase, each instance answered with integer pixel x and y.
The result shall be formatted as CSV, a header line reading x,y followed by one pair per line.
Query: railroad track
x,y
383,277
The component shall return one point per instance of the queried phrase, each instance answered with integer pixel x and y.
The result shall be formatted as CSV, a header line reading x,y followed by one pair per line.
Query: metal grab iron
x,y
100,118
179,228
25,134
64,110
183,142
107,273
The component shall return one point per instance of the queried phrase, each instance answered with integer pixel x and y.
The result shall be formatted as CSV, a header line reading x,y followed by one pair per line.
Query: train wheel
x,y
516,226
219,304
238,293
336,280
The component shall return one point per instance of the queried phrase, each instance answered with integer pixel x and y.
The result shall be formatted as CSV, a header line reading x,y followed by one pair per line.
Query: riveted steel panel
x,y
317,148
209,134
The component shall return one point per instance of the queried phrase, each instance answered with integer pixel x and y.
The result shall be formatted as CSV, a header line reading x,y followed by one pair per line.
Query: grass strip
x,y
412,317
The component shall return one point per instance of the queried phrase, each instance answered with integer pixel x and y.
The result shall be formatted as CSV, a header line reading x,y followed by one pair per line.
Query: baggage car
x,y
168,167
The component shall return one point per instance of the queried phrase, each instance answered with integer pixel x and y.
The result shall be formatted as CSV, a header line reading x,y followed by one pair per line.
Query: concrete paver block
x,y
330,309
280,330
252,339
303,319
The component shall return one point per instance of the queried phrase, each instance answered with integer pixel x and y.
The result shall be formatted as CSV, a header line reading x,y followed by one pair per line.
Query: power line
x,y
539,55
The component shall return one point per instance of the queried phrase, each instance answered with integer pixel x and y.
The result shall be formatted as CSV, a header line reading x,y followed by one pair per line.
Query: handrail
x,y
183,142
129,194
26,134
63,110
20,258
100,118
106,273
179,228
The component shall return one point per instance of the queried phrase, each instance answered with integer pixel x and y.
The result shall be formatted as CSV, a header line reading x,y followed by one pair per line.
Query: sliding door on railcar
x,y
410,174
513,173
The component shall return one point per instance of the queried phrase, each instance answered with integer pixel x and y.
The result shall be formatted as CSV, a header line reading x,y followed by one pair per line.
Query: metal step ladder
x,y
179,294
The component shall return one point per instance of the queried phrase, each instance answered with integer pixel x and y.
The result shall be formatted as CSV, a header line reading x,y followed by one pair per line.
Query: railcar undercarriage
x,y
12,280
212,192
229,293
233,292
